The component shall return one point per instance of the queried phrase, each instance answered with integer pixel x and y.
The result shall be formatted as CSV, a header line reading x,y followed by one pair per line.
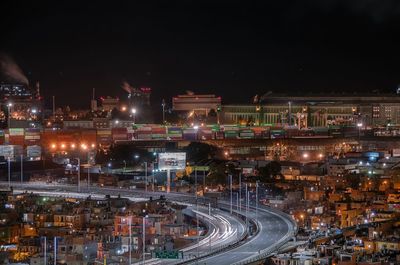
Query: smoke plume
x,y
127,87
11,71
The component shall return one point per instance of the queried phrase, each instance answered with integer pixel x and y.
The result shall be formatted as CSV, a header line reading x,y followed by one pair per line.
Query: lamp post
x,y
359,125
88,172
195,181
9,172
144,239
9,105
22,168
145,176
230,188
256,200
79,174
133,111
163,110
240,192
130,239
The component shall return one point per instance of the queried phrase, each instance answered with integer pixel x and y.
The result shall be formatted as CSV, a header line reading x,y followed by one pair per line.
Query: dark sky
x,y
235,49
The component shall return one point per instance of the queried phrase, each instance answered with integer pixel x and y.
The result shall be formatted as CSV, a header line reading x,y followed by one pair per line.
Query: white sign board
x,y
171,161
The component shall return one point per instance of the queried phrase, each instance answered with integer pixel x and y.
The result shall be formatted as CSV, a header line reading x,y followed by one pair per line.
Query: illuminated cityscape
x,y
200,133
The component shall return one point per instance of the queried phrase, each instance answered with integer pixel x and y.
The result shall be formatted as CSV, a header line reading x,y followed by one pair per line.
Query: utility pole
x,y
9,173
237,201
145,176
204,181
79,174
54,108
130,239
195,181
55,250
247,208
45,251
230,187
144,240
163,110
240,192
197,228
22,168
256,200
88,172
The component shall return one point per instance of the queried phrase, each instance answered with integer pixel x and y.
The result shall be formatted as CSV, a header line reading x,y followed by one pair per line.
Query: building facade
x,y
315,111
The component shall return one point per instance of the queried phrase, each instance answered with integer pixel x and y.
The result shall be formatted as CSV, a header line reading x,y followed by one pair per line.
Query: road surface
x,y
275,228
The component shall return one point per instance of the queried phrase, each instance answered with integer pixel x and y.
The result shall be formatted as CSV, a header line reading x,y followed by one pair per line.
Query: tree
x,y
216,175
274,168
353,180
264,175
270,172
199,151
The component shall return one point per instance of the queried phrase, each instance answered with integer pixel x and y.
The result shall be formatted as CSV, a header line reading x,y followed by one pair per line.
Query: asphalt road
x,y
274,227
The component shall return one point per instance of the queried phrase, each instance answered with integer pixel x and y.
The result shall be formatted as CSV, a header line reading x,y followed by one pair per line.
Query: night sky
x,y
235,49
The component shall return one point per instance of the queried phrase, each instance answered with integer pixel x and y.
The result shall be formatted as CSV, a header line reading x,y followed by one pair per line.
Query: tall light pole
x,y
22,169
240,192
247,206
130,239
9,173
204,181
79,174
195,181
256,200
237,201
88,172
163,110
359,125
144,239
145,176
45,251
230,188
9,105
133,111
55,250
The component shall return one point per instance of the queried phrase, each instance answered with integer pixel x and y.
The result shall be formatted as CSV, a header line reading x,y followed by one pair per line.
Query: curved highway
x,y
275,228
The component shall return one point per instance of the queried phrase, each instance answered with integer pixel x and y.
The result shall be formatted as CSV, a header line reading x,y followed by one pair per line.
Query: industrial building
x,y
316,110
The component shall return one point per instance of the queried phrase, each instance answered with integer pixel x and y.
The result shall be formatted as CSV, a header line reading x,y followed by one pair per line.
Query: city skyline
x,y
205,47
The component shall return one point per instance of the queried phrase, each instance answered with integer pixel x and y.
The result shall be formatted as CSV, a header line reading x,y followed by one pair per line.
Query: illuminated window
x,y
375,111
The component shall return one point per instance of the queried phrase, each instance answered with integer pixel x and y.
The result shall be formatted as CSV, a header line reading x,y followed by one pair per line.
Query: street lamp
x,y
9,105
79,174
144,239
133,111
163,110
359,125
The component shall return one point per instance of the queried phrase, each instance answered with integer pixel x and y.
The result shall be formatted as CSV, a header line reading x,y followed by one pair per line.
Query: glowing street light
x,y
53,146
123,108
62,146
133,111
305,155
9,105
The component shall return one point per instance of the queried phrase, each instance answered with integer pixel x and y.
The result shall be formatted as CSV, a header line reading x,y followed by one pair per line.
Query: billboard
x,y
171,161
